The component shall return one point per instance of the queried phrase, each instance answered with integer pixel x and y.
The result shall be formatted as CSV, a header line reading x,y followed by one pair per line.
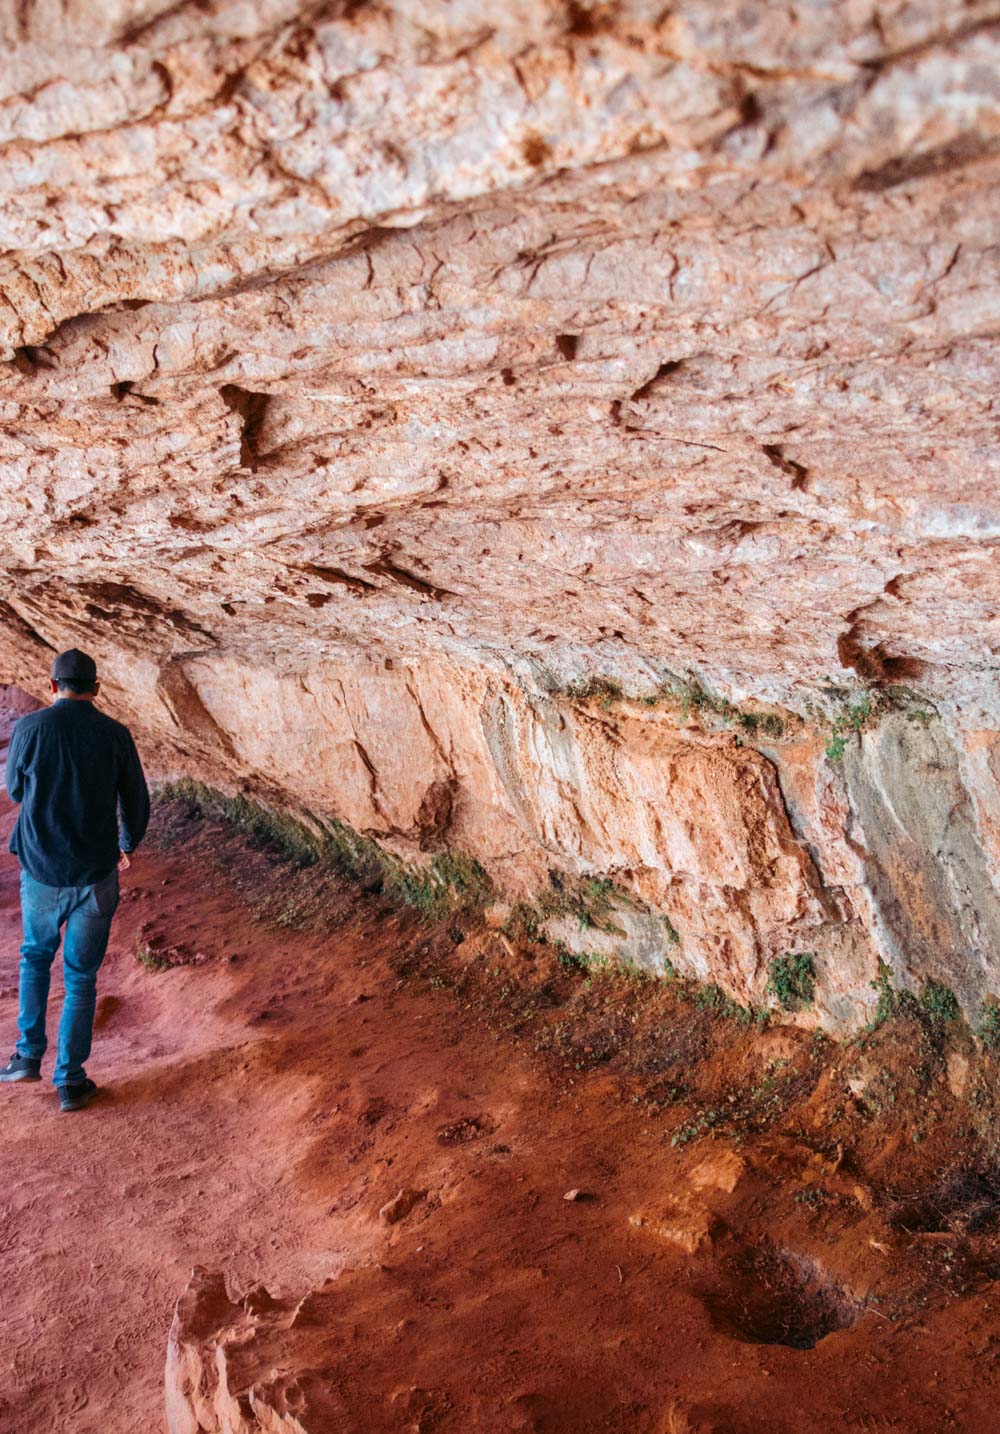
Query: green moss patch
x,y
792,980
450,881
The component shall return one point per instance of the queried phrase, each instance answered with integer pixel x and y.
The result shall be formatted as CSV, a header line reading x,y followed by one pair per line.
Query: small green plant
x,y
989,1026
607,689
793,980
147,957
697,1126
887,1002
836,747
597,964
461,875
599,890
592,901
713,998
570,960
858,713
767,722
524,921
853,719
691,700
939,1003
589,963
694,698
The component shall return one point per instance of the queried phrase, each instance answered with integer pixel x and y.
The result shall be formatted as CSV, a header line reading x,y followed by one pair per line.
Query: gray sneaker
x,y
21,1068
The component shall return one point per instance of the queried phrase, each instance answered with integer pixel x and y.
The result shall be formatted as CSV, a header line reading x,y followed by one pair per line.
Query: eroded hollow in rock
x,y
767,1295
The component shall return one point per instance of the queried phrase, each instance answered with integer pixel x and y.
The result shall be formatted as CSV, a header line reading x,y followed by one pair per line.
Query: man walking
x,y
71,768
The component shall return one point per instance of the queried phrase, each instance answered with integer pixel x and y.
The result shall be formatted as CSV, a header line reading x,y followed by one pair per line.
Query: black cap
x,y
74,666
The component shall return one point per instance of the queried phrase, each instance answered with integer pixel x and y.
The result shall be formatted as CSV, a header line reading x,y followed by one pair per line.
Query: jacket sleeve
x,y
133,797
14,776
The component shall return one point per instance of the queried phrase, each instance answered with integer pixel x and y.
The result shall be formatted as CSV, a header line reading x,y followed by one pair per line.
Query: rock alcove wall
x,y
563,434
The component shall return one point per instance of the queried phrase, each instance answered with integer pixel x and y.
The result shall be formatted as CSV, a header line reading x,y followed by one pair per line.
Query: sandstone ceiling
x,y
619,338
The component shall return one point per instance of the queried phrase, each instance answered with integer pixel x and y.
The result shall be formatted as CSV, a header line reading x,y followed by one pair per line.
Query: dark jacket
x,y
70,767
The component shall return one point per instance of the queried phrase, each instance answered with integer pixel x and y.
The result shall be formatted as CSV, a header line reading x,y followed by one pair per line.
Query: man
x,y
71,768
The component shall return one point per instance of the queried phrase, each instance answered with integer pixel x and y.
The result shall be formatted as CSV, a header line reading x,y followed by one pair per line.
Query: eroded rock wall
x,y
376,379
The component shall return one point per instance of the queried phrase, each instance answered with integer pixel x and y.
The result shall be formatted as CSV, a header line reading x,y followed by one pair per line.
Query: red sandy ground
x,y
257,1113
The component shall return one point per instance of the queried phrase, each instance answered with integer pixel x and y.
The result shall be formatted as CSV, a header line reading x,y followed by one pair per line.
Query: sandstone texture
x,y
544,431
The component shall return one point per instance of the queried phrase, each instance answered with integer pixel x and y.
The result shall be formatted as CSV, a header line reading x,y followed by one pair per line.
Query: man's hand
x,y
124,861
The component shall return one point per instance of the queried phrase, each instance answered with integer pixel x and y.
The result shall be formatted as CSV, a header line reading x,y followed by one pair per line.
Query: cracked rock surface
x,y
376,377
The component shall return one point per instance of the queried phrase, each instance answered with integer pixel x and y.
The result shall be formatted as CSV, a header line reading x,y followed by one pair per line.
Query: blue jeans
x,y
86,913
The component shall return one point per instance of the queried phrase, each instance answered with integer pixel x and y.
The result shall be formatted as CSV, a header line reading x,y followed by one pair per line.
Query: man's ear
x,y
97,686
53,684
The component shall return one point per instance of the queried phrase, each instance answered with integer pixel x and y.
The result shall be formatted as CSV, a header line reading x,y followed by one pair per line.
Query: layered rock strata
x,y
441,418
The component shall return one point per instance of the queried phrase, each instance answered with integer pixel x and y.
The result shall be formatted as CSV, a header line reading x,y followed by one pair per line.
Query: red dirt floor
x,y
257,1113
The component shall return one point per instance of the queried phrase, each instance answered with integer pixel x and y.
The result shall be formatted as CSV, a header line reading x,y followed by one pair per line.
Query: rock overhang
x,y
374,381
